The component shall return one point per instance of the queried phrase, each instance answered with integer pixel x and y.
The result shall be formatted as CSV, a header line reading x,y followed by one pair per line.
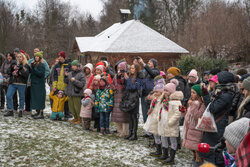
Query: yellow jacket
x,y
58,104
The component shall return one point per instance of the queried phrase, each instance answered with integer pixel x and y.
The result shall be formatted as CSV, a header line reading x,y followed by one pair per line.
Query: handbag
x,y
129,102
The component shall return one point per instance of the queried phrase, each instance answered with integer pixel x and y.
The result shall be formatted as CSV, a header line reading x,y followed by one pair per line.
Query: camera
x,y
122,71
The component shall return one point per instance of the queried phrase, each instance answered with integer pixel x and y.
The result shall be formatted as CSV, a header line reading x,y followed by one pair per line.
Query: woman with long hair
x,y
244,109
19,73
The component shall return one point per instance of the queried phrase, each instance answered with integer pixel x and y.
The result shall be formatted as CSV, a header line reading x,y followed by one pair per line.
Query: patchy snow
x,y
28,142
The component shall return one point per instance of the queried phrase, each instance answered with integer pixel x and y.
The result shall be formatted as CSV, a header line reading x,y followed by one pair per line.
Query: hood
x,y
177,95
116,65
225,77
90,66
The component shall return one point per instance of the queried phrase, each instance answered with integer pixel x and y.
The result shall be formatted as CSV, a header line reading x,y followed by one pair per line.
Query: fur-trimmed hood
x,y
177,95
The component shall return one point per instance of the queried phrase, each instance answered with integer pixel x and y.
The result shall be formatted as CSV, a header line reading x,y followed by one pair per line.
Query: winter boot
x,y
73,120
79,121
102,131
170,159
107,131
130,134
20,113
158,151
135,127
40,116
36,114
9,114
133,137
164,155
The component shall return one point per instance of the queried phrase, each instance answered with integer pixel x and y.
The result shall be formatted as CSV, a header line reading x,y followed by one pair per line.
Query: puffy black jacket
x,y
22,74
148,80
238,98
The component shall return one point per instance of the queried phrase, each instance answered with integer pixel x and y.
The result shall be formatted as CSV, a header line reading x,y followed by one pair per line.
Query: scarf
x,y
224,88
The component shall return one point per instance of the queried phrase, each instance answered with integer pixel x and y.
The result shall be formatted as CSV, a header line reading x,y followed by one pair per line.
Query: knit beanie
x,y
159,87
197,89
123,66
89,66
193,73
75,63
215,71
174,70
88,91
246,84
214,79
236,131
39,54
100,67
154,61
243,77
171,87
60,92
100,63
162,73
17,50
159,79
62,54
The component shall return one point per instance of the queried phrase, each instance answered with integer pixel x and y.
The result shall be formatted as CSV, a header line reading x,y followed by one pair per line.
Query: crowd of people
x,y
103,94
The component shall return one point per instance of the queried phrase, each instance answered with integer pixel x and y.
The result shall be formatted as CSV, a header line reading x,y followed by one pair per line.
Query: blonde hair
x,y
25,61
246,98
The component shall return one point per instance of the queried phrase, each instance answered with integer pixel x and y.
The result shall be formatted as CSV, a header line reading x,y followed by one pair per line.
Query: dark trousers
x,y
145,106
15,102
2,96
67,113
133,122
27,98
104,120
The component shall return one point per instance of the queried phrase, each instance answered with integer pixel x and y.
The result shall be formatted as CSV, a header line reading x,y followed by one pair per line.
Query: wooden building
x,y
128,40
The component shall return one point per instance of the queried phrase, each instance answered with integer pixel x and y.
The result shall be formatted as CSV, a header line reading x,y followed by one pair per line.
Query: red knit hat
x,y
100,63
62,54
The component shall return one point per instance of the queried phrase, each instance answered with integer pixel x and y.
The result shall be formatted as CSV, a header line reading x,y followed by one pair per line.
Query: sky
x,y
92,6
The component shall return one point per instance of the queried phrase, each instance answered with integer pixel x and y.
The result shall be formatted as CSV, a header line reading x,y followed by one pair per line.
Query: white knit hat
x,y
88,91
236,131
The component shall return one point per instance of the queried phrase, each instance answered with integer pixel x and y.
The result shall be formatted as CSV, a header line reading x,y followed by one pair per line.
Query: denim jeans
x,y
145,106
104,119
11,91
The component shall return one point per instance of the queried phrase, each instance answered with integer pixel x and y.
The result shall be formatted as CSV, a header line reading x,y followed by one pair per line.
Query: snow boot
x,y
133,137
170,159
36,114
107,131
130,134
79,121
9,114
158,151
164,155
20,113
40,116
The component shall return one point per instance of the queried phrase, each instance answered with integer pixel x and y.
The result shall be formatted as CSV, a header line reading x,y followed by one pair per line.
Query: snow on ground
x,y
28,142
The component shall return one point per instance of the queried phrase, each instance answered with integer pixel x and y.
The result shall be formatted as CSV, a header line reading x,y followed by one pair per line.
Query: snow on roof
x,y
129,37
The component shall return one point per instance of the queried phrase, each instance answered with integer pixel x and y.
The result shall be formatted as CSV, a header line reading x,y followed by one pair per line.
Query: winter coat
x,y
187,93
192,137
104,100
246,109
58,103
22,74
238,98
118,85
151,124
4,70
59,73
148,81
86,108
47,70
75,88
220,107
38,92
168,123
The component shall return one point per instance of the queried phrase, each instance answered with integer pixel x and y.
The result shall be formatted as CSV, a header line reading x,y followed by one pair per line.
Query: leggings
x,y
173,141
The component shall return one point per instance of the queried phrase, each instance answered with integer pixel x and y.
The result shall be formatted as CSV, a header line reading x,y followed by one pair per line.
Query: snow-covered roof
x,y
129,37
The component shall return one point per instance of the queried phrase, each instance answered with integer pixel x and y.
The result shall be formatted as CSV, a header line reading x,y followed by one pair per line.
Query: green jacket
x,y
104,101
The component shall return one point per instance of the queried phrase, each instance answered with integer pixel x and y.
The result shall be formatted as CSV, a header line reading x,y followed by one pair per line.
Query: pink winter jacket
x,y
191,136
86,109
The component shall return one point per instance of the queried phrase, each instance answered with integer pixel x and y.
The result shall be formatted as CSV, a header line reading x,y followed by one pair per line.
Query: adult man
x,y
61,68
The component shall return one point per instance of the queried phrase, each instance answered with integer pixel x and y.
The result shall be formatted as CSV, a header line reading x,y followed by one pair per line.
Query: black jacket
x,y
148,80
246,110
66,66
22,73
238,98
187,93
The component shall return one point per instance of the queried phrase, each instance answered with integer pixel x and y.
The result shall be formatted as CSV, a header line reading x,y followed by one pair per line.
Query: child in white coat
x,y
151,124
169,116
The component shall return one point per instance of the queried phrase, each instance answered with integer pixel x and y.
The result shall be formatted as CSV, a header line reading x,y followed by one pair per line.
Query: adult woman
x,y
11,59
38,93
120,118
18,79
133,89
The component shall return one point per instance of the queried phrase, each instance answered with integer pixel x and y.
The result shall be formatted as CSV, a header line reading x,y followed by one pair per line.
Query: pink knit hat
x,y
171,87
214,79
193,73
100,67
162,73
88,91
123,66
159,87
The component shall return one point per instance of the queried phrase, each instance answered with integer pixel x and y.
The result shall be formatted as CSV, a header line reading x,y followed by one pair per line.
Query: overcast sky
x,y
92,6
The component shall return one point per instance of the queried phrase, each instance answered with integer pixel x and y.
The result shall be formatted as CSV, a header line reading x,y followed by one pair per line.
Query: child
x,y
86,109
191,136
169,117
151,124
58,104
104,105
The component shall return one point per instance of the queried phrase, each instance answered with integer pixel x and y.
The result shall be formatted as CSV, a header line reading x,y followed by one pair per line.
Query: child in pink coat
x,y
86,109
